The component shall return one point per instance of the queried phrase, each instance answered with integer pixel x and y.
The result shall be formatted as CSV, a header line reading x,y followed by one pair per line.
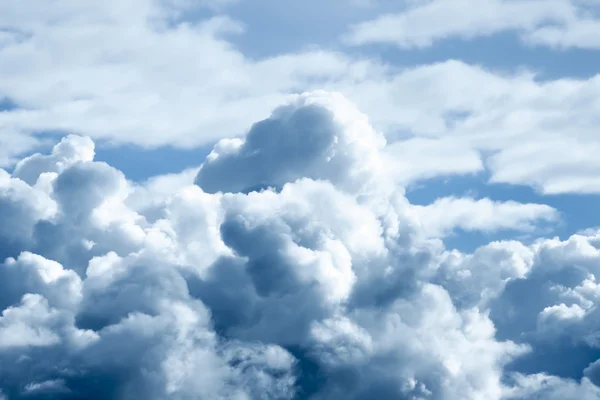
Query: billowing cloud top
x,y
292,268
316,136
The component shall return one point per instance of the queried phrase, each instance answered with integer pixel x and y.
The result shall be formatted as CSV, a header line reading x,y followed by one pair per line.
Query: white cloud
x,y
32,273
70,150
23,207
135,72
318,289
25,325
582,33
556,165
473,280
559,23
131,72
421,158
325,138
156,190
527,128
552,388
52,386
447,214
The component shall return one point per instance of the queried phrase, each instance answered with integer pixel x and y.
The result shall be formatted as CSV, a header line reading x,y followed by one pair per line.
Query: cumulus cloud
x,y
292,268
320,136
69,151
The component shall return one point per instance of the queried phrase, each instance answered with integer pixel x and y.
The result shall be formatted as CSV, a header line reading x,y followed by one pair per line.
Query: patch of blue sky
x,y
7,104
277,27
138,164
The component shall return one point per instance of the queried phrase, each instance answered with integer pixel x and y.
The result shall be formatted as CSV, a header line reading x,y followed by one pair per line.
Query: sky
x,y
351,199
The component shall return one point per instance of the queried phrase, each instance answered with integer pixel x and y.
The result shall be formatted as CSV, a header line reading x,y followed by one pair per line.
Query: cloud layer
x,y
162,72
555,23
292,268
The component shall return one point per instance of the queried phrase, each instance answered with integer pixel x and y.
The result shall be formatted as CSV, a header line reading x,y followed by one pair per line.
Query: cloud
x,y
507,120
474,280
319,136
579,33
23,206
561,23
420,158
448,214
129,76
70,150
562,175
25,325
543,296
552,388
125,84
314,288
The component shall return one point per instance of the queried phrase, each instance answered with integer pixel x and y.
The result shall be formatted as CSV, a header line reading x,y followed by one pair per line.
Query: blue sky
x,y
299,200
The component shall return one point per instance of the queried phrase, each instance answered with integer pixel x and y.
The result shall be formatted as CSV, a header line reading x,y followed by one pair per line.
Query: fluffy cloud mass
x,y
288,265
